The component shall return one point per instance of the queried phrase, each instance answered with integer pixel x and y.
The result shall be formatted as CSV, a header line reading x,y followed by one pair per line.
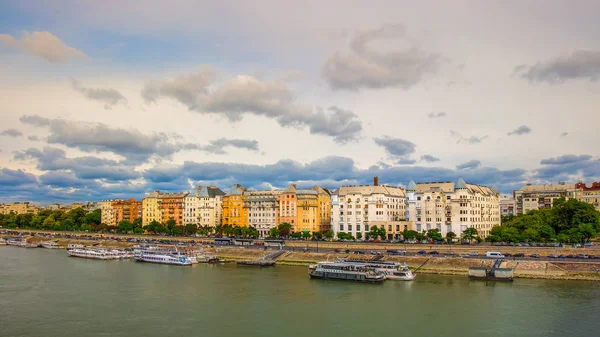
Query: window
x,y
349,228
358,228
367,227
341,227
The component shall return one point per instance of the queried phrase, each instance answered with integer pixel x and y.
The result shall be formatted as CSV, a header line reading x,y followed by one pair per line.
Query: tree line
x,y
568,221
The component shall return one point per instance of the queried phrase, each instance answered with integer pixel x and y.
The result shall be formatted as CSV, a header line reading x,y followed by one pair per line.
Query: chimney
x,y
376,181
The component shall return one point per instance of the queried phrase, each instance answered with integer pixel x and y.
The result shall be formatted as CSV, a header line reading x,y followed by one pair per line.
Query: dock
x,y
266,261
495,273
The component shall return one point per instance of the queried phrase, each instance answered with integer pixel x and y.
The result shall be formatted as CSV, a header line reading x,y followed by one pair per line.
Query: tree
x,y
376,232
170,224
306,235
49,222
284,229
328,234
434,234
450,236
125,226
409,234
493,238
359,235
274,232
469,234
587,231
317,235
190,228
296,235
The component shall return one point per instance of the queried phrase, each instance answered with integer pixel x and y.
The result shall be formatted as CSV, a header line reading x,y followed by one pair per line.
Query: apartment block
x,y
234,213
150,208
532,197
591,194
19,208
112,212
170,206
453,207
262,208
203,206
507,205
354,209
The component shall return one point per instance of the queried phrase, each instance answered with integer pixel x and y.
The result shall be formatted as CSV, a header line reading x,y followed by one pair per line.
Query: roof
x,y
547,188
368,190
460,184
304,191
448,187
236,189
290,189
321,190
214,191
411,186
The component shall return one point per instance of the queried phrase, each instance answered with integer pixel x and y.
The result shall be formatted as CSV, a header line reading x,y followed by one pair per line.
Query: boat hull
x,y
164,262
324,275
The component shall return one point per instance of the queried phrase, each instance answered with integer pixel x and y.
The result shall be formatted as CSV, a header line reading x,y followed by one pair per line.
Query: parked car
x,y
374,252
449,253
581,256
561,256
553,256
433,252
588,244
507,255
535,256
494,255
421,252
359,252
336,250
473,254
396,252
519,255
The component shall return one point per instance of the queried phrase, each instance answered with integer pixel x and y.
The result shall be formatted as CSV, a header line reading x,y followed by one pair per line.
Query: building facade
x,y
202,207
507,205
287,206
112,212
170,206
234,213
453,207
19,208
591,194
533,197
355,209
150,208
324,211
307,211
262,208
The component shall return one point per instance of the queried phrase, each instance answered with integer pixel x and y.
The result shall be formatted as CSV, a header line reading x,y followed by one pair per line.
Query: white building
x,y
507,205
354,209
453,207
262,207
107,212
203,207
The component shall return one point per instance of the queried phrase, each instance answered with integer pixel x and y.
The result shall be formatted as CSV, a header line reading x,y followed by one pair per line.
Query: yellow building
x,y
151,210
324,211
19,208
234,213
307,211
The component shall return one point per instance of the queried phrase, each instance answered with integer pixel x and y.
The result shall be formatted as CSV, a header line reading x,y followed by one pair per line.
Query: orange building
x,y
324,212
287,206
234,213
130,210
170,207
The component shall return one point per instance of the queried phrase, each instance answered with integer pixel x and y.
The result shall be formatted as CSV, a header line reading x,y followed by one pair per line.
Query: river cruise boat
x,y
392,270
345,271
50,245
164,257
93,253
21,243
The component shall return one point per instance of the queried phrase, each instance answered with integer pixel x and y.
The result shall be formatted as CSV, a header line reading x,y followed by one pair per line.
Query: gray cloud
x,y
11,133
396,147
429,158
109,97
521,130
33,138
579,64
218,146
364,67
437,114
44,45
565,159
248,95
469,140
406,161
471,164
564,134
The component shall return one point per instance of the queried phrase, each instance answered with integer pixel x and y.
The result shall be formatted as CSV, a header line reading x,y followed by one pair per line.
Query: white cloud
x,y
44,45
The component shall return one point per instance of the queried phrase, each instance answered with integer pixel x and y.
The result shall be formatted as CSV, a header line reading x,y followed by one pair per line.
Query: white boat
x,y
21,243
345,271
93,253
2,242
50,245
74,246
158,255
392,270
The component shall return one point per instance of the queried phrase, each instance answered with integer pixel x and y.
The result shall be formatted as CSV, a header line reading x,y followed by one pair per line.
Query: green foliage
x,y
317,235
434,234
328,234
409,234
450,236
359,235
345,236
285,229
469,234
274,232
377,232
566,222
306,235
296,235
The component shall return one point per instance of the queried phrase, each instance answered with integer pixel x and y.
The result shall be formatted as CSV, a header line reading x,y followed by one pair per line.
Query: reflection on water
x,y
45,293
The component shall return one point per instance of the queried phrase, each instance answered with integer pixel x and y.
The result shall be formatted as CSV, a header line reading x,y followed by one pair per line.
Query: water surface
x,y
45,293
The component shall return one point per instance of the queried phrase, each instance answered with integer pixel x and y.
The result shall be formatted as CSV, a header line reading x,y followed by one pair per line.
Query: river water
x,y
46,293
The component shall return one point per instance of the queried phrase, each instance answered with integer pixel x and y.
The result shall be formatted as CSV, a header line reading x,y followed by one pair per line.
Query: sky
x,y
114,99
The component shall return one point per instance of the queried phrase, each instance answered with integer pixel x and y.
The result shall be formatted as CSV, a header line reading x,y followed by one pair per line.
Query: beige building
x,y
107,213
591,194
507,205
203,207
355,208
262,208
453,207
532,197
19,208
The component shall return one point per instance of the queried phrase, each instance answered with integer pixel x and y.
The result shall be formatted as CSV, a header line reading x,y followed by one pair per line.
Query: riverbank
x,y
433,265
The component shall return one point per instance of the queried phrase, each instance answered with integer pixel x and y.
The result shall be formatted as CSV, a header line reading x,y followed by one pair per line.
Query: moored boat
x,y
162,256
50,245
21,243
392,270
345,271
93,253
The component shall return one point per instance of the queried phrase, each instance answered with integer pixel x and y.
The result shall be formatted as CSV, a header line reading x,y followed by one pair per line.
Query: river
x,y
46,293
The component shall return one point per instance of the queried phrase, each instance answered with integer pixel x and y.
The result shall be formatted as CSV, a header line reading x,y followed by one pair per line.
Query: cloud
x,y
429,158
44,45
244,94
564,134
364,66
468,140
15,178
472,164
218,146
566,159
521,130
579,64
11,133
33,138
396,147
406,161
437,114
109,97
